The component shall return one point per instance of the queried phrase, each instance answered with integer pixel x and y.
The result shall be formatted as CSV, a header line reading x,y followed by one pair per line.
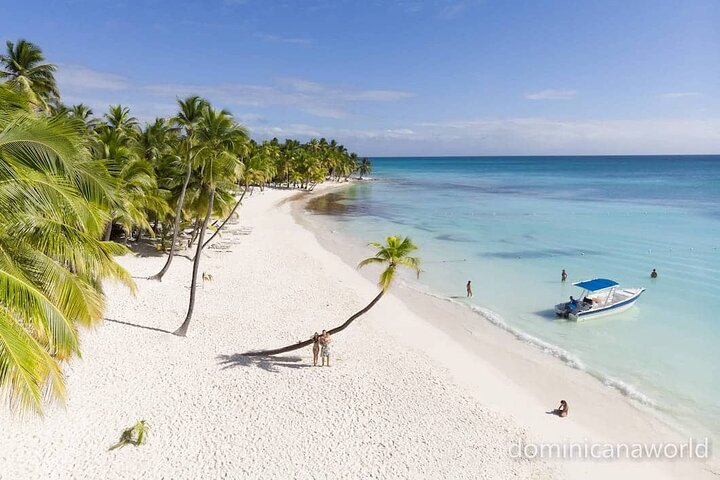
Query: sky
x,y
405,77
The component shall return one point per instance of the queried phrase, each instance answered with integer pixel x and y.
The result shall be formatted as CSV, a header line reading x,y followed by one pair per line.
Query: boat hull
x,y
608,310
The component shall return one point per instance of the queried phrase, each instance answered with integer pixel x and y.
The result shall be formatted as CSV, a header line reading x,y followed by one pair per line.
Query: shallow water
x,y
511,224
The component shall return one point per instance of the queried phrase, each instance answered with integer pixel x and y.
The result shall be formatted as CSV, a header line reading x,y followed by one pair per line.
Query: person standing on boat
x,y
653,274
563,275
468,287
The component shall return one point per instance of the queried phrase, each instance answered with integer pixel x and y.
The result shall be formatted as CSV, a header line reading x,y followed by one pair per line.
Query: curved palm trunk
x,y
226,219
299,345
182,331
176,226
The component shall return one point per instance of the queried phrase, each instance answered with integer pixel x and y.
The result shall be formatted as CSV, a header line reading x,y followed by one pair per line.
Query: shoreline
x,y
537,369
404,397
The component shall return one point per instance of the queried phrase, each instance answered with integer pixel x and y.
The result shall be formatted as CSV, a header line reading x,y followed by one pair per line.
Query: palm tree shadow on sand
x,y
137,325
268,363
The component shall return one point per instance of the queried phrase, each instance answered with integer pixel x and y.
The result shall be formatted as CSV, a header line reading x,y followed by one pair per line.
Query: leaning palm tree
x,y
218,140
394,253
191,110
24,68
364,167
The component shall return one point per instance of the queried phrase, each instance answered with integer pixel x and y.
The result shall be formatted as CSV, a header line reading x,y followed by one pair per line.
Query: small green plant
x,y
135,435
207,276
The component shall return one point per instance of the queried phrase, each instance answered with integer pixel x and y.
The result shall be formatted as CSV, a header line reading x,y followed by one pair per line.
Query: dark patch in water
x,y
424,228
454,238
332,204
546,253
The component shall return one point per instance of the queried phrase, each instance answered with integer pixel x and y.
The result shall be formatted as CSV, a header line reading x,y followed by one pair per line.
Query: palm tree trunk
x,y
176,226
108,231
194,233
182,331
299,345
226,219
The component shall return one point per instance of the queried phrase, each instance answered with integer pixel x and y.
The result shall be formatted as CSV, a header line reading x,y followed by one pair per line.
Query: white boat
x,y
600,296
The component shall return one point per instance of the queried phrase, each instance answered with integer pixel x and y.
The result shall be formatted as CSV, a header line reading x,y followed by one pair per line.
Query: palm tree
x,y
364,167
244,150
85,114
53,208
218,137
191,110
22,65
119,146
394,253
118,118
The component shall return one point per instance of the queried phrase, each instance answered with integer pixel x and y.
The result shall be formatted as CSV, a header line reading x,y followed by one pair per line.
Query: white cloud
x,y
279,39
519,136
308,131
680,94
309,97
443,9
79,78
552,95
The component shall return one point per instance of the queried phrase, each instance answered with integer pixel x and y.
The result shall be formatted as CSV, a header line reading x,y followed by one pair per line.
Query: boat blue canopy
x,y
596,284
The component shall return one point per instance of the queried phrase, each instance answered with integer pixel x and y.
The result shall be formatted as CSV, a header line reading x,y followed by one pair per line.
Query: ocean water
x,y
511,224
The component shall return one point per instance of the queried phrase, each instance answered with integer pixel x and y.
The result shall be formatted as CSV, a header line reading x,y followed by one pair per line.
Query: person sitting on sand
x,y
468,287
653,274
563,276
325,348
561,411
316,348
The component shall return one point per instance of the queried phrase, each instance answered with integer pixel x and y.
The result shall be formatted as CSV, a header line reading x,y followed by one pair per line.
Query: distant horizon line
x,y
551,155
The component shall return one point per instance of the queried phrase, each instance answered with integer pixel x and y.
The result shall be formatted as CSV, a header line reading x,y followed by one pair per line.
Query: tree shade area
x,y
76,188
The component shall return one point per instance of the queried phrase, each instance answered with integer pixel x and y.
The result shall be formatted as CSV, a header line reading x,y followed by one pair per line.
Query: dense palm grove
x,y
76,188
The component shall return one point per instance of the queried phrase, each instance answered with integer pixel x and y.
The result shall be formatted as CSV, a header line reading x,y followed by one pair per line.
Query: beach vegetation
x,y
77,189
181,160
364,167
219,140
23,68
55,201
136,435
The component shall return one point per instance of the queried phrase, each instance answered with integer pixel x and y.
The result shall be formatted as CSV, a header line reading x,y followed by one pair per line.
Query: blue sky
x,y
410,77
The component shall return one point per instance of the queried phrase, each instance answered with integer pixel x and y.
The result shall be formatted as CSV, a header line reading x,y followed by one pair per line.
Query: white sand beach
x,y
417,388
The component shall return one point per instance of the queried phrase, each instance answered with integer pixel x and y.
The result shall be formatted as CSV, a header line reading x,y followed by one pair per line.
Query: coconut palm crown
x,y
396,252
24,69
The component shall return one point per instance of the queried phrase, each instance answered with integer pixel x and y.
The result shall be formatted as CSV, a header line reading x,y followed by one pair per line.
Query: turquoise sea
x,y
511,224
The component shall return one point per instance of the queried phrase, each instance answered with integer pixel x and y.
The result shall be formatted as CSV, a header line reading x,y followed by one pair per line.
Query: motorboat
x,y
600,296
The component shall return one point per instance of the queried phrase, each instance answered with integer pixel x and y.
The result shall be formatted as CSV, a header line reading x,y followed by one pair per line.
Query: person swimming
x,y
653,274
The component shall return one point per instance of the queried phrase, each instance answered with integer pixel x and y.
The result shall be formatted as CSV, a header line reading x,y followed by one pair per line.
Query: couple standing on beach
x,y
321,344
